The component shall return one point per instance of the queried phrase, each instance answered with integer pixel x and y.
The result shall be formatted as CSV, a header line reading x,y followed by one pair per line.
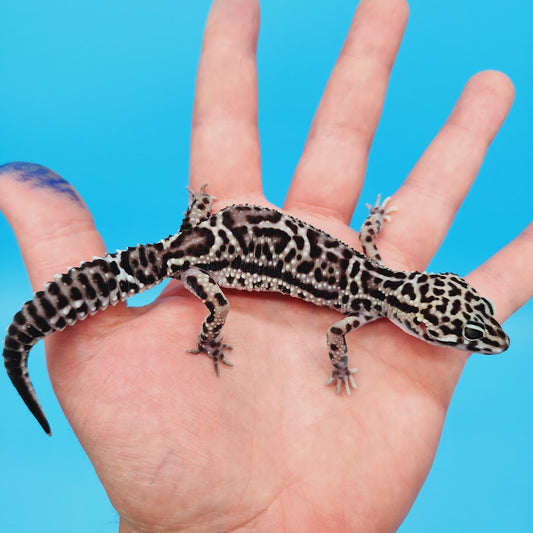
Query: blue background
x,y
102,93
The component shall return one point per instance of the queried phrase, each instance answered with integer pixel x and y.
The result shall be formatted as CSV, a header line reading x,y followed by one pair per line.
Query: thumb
x,y
52,224
55,231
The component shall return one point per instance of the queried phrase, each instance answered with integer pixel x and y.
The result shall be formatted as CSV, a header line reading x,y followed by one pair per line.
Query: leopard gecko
x,y
256,248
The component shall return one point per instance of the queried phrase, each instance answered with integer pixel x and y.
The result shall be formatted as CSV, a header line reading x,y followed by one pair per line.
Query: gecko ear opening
x,y
490,305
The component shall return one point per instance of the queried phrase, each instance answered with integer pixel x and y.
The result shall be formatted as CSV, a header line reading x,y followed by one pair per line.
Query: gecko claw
x,y
215,364
381,208
340,377
214,350
202,191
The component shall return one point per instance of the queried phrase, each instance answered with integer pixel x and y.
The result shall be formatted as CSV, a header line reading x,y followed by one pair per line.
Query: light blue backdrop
x,y
102,93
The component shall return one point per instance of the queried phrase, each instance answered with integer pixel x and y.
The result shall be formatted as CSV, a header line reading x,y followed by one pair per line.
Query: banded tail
x,y
75,295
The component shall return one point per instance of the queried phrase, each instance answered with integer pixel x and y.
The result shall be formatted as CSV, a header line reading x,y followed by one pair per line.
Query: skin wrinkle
x,y
80,220
260,512
359,60
225,123
227,45
342,211
49,266
425,193
224,101
253,443
377,55
461,131
342,134
222,118
332,123
297,488
442,399
397,256
414,252
78,225
314,510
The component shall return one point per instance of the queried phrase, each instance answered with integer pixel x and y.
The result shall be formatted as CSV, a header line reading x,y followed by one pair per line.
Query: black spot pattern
x,y
261,249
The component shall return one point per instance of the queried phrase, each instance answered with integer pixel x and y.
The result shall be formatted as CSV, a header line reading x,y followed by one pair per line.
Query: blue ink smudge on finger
x,y
40,176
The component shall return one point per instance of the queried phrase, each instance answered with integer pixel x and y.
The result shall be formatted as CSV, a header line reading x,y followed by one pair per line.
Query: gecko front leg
x,y
338,351
372,226
201,284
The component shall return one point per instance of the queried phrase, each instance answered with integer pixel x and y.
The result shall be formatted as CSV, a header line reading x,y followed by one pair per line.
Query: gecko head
x,y
450,312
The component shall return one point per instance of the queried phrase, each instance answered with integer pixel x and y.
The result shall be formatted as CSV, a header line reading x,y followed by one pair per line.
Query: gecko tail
x,y
17,370
79,293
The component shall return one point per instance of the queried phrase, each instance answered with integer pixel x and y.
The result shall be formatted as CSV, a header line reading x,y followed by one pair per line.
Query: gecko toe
x,y
343,377
214,349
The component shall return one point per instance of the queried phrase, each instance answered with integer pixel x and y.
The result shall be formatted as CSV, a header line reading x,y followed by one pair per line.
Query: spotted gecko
x,y
256,248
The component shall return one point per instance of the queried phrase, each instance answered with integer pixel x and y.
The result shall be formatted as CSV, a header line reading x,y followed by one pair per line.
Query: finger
x,y
331,170
506,277
52,224
431,195
225,140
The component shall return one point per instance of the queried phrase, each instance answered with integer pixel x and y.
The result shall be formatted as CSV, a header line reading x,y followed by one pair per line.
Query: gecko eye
x,y
490,305
473,332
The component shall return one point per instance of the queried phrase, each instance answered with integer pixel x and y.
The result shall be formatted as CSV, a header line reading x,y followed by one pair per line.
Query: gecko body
x,y
256,248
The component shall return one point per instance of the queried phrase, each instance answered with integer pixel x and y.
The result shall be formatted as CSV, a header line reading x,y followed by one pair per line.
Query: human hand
x,y
266,446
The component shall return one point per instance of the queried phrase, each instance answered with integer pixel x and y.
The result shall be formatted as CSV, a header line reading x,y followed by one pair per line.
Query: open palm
x,y
267,446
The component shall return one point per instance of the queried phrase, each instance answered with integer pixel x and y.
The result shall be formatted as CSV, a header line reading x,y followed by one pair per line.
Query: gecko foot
x,y
202,191
215,350
380,208
340,376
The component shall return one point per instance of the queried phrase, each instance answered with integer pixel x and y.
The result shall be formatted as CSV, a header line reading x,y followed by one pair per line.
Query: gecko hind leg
x,y
199,208
202,285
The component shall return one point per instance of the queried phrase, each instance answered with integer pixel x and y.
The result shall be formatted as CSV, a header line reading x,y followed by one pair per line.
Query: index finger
x,y
225,141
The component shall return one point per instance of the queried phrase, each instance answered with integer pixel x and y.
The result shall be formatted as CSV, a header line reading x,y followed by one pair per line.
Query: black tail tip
x,y
45,425
37,412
